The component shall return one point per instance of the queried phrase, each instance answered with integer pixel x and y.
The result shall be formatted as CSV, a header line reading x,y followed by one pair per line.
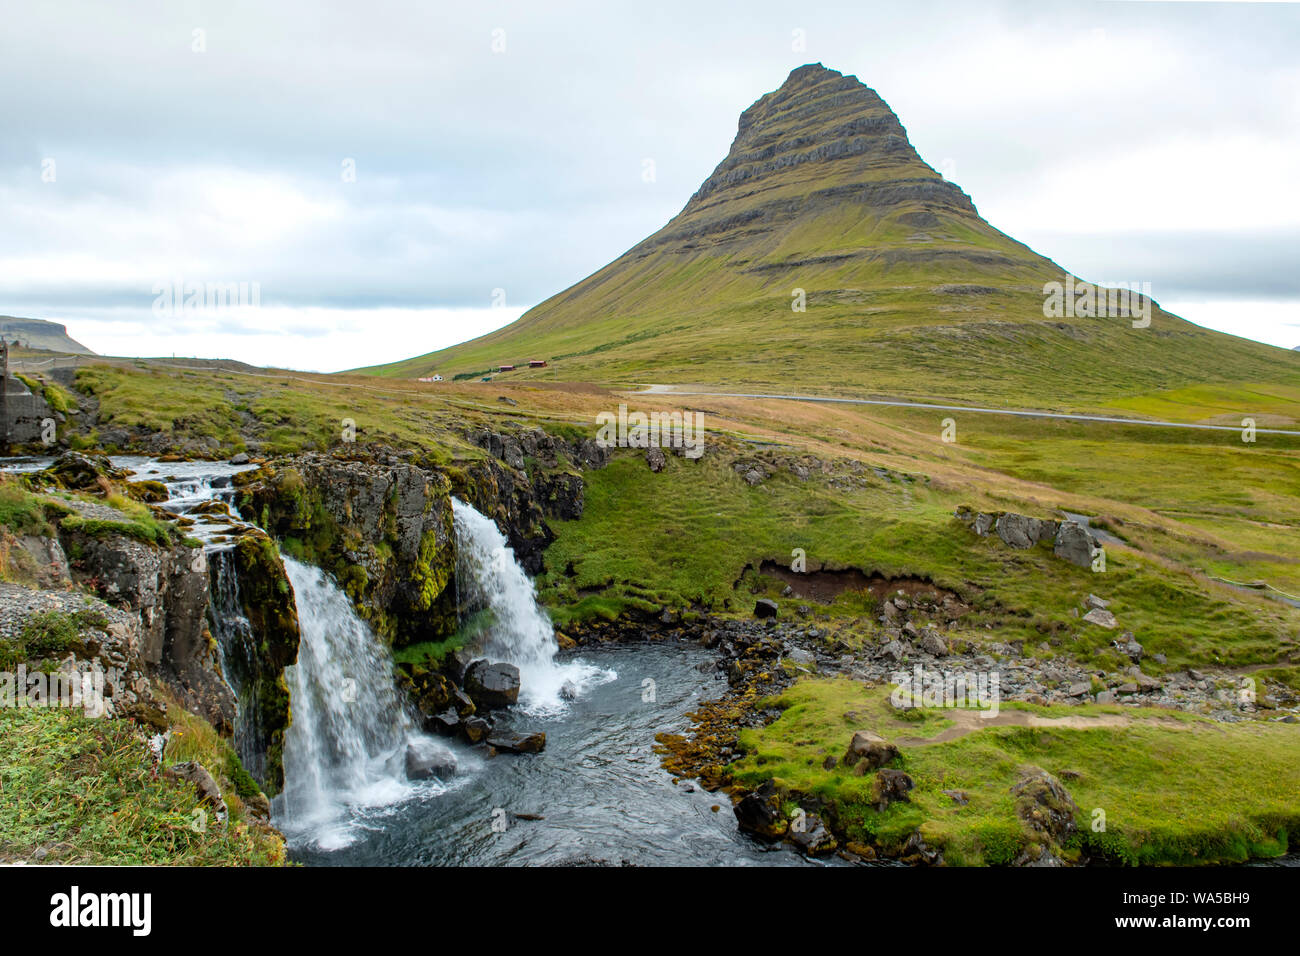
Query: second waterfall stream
x,y
488,578
347,746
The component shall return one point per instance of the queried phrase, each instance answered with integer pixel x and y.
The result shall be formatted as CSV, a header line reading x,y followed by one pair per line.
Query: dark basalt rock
x,y
492,686
446,723
765,607
759,812
427,760
476,729
517,743
812,837
890,786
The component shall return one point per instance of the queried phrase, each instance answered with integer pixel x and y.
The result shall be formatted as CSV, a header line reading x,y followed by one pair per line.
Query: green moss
x,y
146,530
55,632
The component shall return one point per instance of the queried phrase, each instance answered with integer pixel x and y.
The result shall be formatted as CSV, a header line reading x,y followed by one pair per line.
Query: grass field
x,y
1173,789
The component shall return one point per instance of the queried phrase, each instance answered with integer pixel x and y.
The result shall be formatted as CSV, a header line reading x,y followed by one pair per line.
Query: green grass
x,y
84,790
146,530
21,511
188,405
684,538
1179,791
51,634
287,413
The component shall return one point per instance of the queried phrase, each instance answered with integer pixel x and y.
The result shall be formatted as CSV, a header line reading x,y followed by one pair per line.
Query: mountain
x,y
39,334
908,290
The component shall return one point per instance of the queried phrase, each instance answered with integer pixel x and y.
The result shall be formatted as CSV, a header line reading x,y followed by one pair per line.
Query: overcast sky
x,y
499,147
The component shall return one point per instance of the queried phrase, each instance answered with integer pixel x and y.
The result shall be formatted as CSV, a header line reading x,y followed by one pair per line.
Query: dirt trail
x,y
967,721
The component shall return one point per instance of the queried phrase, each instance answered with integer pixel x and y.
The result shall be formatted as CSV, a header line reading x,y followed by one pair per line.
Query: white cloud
x,y
1097,133
309,338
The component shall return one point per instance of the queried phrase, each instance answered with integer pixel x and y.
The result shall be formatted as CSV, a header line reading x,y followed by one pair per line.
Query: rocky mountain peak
x,y
819,124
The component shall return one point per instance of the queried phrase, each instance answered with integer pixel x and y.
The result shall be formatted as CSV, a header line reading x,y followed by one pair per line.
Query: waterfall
x,y
488,578
346,750
237,650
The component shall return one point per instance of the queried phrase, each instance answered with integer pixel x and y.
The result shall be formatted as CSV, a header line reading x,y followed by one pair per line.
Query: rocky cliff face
x,y
379,524
255,616
167,590
531,476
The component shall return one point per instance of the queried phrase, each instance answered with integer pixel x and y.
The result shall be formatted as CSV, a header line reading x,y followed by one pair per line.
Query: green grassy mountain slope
x,y
908,290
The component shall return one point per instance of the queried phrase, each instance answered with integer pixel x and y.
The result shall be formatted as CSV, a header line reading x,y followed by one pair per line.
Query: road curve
x,y
1019,413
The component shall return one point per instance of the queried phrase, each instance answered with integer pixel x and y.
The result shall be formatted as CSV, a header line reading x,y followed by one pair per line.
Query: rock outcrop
x,y
1070,540
166,588
381,527
1075,543
1047,810
255,617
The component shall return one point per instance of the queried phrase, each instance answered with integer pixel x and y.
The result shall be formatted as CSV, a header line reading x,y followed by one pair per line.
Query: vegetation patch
x,y
84,791
1170,790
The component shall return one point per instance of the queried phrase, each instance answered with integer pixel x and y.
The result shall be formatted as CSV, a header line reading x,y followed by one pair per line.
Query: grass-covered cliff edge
x,y
101,592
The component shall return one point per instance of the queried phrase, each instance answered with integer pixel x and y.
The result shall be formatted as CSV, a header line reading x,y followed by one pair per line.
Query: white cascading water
x,y
520,633
345,751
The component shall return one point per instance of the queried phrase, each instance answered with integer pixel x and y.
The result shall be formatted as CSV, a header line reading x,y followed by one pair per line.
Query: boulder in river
x,y
811,836
517,743
427,759
445,723
760,812
492,686
476,729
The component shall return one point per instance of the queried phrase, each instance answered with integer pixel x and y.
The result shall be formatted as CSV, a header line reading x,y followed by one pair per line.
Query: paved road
x,y
1019,413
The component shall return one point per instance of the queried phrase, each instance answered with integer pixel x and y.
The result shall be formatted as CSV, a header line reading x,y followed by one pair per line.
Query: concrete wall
x,y
23,414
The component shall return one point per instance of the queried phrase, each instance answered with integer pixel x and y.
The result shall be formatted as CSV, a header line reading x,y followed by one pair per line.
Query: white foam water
x,y
345,751
519,632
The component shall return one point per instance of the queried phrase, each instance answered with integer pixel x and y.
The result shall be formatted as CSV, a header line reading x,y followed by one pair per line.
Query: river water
x,y
598,787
